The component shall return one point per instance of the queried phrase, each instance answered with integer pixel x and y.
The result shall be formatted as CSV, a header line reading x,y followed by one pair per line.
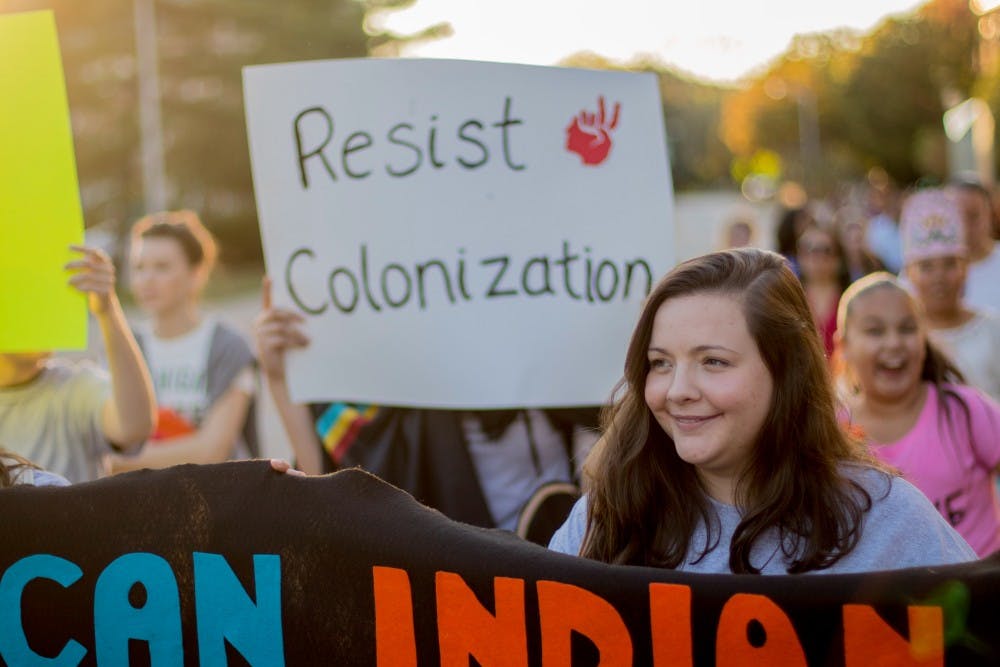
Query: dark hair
x,y
645,501
786,233
185,227
853,216
978,188
981,190
9,464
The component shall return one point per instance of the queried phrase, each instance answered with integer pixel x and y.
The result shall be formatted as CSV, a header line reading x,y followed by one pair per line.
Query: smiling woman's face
x,y
707,385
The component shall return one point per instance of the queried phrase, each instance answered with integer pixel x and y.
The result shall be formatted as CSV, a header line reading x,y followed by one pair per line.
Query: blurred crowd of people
x,y
904,290
940,243
902,293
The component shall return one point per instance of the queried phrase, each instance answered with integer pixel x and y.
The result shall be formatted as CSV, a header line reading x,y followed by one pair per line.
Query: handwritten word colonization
x,y
571,272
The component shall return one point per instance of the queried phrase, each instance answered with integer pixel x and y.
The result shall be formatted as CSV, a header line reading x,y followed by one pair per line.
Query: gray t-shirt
x,y
901,530
55,420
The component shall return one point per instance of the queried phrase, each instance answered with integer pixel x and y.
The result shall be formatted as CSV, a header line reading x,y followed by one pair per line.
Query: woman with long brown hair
x,y
723,453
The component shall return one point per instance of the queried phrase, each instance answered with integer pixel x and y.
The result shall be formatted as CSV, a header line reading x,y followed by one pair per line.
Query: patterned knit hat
x,y
931,226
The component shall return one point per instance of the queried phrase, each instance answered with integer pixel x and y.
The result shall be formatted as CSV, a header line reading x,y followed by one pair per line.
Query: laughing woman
x,y
910,402
723,452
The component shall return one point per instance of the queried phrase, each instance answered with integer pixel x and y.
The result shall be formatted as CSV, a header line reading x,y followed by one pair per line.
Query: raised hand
x,y
275,330
93,274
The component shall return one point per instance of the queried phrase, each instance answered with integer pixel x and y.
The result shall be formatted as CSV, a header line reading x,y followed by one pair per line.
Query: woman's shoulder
x,y
980,424
987,320
902,528
902,496
892,497
983,410
64,377
968,393
873,479
888,490
568,538
226,334
228,343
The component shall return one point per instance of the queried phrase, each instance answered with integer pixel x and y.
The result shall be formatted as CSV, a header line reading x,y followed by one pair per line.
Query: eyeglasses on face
x,y
818,249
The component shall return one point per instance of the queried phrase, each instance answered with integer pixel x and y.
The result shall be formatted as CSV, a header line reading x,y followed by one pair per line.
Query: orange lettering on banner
x,y
564,608
395,639
466,628
670,624
870,641
753,630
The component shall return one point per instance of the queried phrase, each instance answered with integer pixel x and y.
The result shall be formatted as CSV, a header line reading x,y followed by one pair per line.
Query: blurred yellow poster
x,y
40,211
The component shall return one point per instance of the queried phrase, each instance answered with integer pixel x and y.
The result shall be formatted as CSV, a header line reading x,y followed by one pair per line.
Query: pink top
x,y
953,460
826,330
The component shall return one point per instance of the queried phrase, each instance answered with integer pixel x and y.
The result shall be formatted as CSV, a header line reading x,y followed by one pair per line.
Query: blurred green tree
x,y
832,106
878,98
97,43
908,71
202,46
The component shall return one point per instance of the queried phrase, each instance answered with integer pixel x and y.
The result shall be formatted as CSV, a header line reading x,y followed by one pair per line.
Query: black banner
x,y
237,564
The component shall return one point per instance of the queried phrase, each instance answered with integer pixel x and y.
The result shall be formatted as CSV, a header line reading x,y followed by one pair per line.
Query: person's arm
x,y
298,424
275,331
128,417
985,433
211,443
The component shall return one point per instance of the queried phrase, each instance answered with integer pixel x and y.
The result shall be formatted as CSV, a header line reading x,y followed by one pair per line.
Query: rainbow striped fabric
x,y
339,425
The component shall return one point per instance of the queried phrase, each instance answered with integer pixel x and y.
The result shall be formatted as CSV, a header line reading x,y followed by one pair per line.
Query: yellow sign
x,y
40,213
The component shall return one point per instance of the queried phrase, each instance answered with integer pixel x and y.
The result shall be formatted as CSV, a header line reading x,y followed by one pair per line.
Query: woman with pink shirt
x,y
911,404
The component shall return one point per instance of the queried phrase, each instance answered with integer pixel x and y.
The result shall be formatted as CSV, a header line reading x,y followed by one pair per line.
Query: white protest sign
x,y
459,234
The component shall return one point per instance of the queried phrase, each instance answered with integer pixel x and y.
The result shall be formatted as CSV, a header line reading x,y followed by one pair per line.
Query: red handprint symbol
x,y
589,135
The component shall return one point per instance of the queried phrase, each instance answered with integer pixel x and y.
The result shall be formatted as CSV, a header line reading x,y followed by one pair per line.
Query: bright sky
x,y
720,39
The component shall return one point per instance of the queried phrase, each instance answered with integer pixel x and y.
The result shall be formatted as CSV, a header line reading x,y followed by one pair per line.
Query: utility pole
x,y
809,139
154,185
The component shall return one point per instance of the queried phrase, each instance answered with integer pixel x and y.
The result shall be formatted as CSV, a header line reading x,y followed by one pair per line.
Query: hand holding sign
x,y
275,331
93,274
453,217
